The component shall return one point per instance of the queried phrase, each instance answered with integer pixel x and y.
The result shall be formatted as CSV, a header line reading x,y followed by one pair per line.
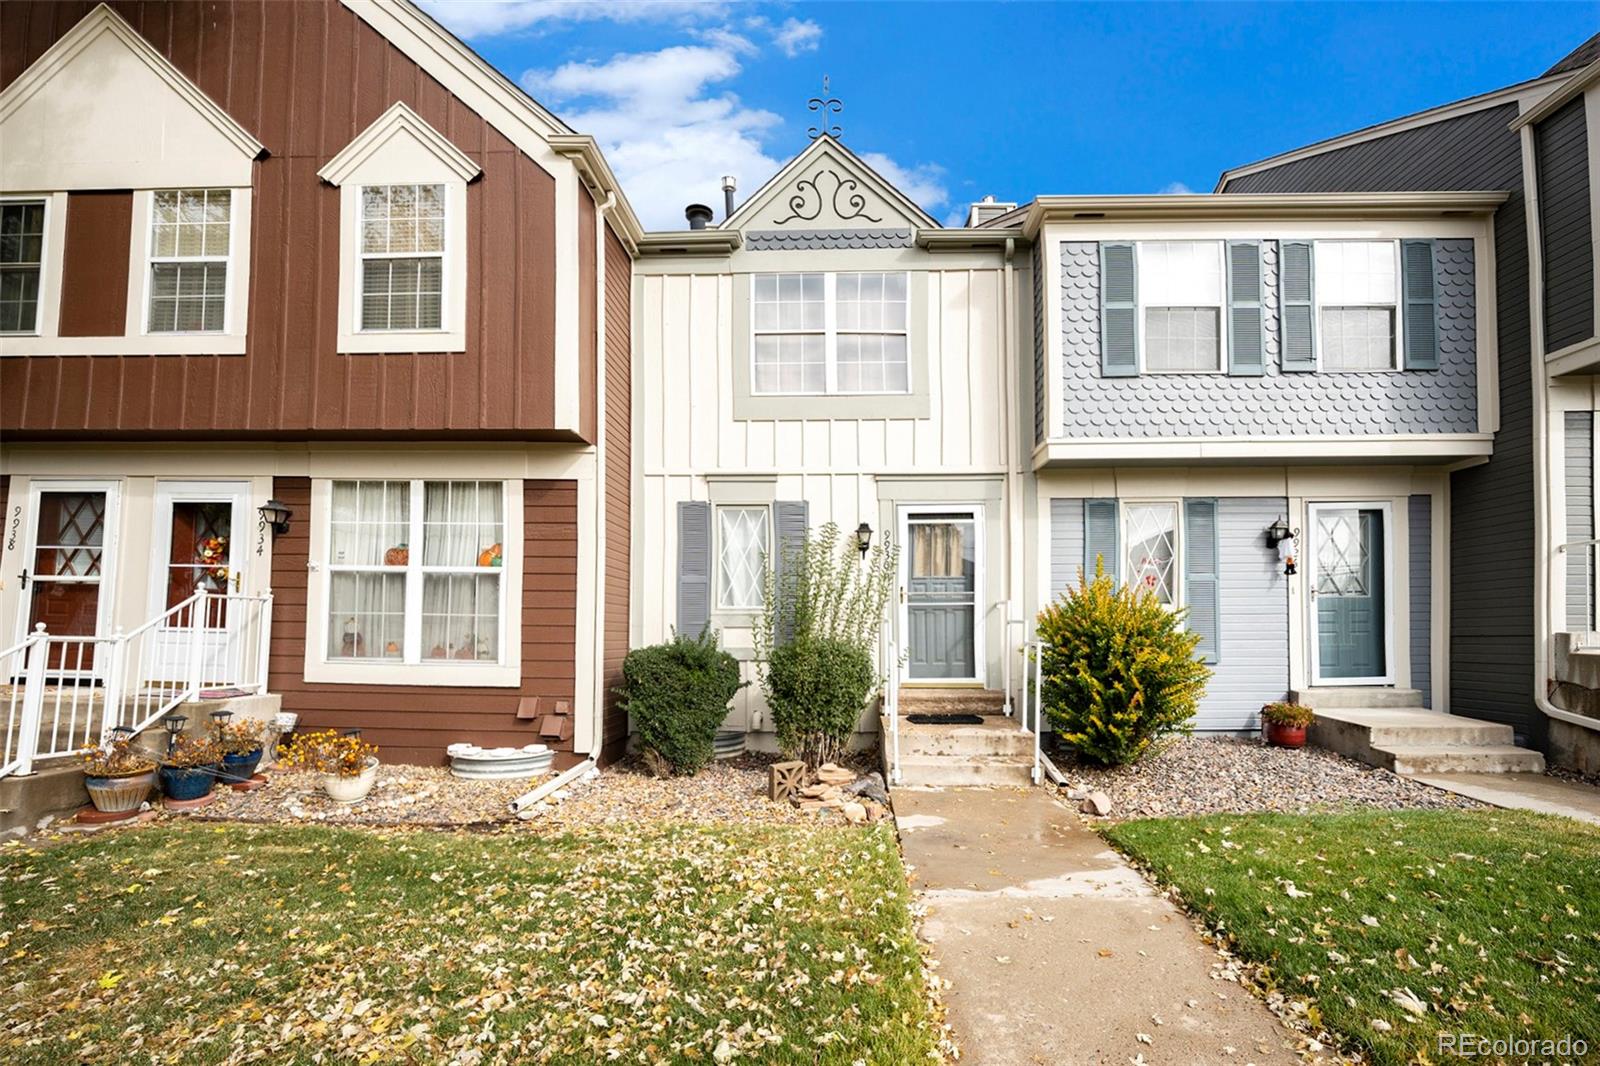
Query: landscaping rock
x,y
854,813
871,786
833,774
1096,803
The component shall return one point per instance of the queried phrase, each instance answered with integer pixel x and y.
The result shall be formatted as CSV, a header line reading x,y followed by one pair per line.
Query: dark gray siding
x,y
1039,389
1562,148
1578,479
1419,514
1491,506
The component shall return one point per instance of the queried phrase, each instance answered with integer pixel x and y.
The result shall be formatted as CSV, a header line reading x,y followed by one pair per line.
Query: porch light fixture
x,y
863,538
1281,537
275,516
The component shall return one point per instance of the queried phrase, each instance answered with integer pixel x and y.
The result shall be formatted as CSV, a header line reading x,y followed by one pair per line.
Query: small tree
x,y
1118,670
677,693
817,638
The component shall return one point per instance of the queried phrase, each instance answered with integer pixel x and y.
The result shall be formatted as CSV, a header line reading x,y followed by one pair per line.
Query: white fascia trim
x,y
1574,85
399,118
1394,448
1262,207
1456,108
104,20
1580,358
584,153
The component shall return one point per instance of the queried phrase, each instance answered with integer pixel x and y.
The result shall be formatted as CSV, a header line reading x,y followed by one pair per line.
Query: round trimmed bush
x,y
678,693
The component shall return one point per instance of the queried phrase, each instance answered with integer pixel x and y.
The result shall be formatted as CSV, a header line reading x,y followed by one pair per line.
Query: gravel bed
x,y
1225,775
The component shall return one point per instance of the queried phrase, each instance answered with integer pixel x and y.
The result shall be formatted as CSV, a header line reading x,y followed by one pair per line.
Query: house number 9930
x,y
16,521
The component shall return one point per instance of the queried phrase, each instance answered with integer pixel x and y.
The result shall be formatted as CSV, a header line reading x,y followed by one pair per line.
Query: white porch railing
x,y
68,692
1032,717
891,700
1581,556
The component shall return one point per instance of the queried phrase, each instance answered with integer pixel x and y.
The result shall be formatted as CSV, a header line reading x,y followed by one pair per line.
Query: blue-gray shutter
x,y
694,567
1296,307
1245,346
1100,536
1422,310
1119,312
1202,561
790,521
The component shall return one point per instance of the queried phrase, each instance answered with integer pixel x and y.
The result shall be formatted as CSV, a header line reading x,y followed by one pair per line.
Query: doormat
x,y
945,719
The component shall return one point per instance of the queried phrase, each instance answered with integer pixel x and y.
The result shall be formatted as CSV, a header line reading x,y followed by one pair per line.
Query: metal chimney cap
x,y
729,183
699,215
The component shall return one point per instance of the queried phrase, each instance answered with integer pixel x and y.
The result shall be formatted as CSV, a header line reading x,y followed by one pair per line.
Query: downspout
x,y
600,473
1012,428
525,805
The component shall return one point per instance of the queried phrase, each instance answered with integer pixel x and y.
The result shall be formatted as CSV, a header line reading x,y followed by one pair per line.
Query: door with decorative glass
x,y
1350,589
941,587
66,561
194,548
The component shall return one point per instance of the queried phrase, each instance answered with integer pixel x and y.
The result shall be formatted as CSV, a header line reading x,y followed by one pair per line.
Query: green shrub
x,y
1118,671
678,694
818,639
1289,714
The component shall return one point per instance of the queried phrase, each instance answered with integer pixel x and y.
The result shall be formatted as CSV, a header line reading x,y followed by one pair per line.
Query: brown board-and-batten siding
x,y
414,723
305,78
618,475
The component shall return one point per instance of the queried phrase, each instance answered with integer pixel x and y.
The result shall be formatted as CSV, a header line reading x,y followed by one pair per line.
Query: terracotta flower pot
x,y
350,789
115,795
1285,736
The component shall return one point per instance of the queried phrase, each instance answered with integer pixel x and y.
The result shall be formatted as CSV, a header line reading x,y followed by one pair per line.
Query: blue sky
x,y
955,100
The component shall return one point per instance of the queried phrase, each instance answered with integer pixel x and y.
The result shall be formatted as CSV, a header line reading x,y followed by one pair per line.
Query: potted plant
x,y
190,768
118,776
1284,724
347,765
241,749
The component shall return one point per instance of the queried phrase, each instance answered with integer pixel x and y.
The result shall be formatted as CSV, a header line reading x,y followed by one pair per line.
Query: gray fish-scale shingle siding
x,y
808,240
1274,403
1491,505
1419,515
1562,152
1578,480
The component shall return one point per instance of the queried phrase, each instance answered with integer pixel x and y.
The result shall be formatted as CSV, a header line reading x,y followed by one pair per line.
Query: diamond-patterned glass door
x,y
68,561
1350,593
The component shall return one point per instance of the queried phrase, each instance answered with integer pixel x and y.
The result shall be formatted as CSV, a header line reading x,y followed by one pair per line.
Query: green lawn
x,y
1487,923
189,943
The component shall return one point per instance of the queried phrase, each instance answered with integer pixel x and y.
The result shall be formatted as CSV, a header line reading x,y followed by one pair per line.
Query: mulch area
x,y
1225,775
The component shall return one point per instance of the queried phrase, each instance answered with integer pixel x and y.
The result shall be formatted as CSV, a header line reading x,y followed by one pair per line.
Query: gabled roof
x,y
1576,83
820,190
1578,58
399,121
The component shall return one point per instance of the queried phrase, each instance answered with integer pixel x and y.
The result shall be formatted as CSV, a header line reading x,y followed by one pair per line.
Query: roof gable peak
x,y
827,186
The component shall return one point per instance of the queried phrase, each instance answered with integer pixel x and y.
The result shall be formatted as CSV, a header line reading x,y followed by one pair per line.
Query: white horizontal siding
x,y
1253,665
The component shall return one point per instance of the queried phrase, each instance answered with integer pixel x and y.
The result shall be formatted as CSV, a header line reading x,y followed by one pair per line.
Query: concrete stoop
x,y
1389,728
994,751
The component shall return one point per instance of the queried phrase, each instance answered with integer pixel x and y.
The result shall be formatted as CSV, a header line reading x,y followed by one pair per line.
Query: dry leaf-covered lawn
x,y
661,943
1394,928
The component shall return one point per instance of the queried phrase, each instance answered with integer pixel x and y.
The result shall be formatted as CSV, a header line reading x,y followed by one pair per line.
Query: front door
x,y
941,586
1350,589
194,548
67,561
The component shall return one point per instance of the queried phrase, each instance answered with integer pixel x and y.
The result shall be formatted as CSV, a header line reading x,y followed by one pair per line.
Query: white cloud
x,y
796,36
1175,188
486,18
923,182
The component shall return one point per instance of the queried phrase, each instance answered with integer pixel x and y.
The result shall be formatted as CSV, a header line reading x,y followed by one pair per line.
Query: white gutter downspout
x,y
1543,542
1008,348
523,806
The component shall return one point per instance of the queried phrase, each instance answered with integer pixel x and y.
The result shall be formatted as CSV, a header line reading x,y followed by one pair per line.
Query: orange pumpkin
x,y
490,556
397,556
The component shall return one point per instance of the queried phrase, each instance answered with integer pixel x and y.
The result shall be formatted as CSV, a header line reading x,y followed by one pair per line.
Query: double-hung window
x,y
836,333
1150,531
415,571
190,238
21,264
1357,286
1180,294
402,257
742,550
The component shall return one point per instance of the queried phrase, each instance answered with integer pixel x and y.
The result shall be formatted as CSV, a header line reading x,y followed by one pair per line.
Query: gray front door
x,y
1350,593
941,596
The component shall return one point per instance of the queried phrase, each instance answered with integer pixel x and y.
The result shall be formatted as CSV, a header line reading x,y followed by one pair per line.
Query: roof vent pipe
x,y
729,184
698,215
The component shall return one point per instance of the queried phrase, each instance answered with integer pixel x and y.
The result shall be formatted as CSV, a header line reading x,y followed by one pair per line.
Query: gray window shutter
x,y
1201,569
694,567
1297,309
1119,312
1100,536
790,521
1421,326
1245,348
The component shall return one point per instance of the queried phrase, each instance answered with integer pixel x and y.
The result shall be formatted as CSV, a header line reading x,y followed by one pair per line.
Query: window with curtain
x,y
1180,294
402,257
190,237
830,333
1150,531
1357,284
741,556
415,569
21,261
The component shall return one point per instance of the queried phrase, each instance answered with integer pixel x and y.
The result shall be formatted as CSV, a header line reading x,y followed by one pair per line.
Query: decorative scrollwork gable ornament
x,y
808,200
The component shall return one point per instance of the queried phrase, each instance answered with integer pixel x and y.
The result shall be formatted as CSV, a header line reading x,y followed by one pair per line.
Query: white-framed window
x,y
415,572
1151,532
1181,294
1358,304
402,257
22,230
191,239
830,333
742,551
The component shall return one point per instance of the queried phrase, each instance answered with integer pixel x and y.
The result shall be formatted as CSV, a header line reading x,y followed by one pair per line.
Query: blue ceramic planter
x,y
236,768
187,782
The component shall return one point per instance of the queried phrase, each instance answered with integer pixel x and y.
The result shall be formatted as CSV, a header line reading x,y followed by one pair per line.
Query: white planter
x,y
350,789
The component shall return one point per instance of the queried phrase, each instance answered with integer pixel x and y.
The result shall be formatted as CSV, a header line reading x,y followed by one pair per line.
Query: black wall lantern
x,y
863,538
1281,537
275,516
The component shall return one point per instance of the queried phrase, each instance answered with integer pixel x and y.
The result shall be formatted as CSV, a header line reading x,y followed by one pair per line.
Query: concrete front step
x,y
995,735
1370,696
945,771
1453,758
1411,740
951,699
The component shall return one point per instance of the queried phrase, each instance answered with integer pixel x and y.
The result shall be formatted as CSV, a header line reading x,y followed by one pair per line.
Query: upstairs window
x,y
816,334
1180,300
21,262
190,237
1357,284
402,257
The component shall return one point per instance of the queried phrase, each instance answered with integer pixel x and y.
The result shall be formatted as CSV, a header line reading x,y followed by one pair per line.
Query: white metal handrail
x,y
1591,623
1032,699
891,700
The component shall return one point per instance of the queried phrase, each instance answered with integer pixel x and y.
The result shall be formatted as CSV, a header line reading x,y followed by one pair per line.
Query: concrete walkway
x,y
1058,951
1527,792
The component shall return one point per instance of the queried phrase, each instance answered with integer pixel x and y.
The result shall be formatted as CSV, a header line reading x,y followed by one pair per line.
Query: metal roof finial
x,y
824,105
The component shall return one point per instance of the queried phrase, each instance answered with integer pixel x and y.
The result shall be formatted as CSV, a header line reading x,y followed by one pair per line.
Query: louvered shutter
x,y
790,520
1297,310
1119,312
1201,569
1100,536
694,567
1245,348
1421,325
